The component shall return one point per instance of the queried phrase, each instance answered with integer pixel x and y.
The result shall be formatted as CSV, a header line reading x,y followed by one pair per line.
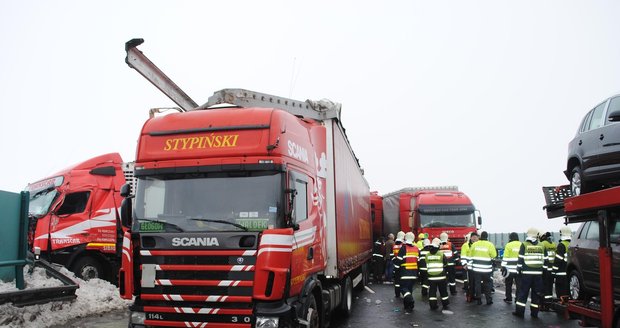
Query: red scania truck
x,y
255,214
74,216
431,210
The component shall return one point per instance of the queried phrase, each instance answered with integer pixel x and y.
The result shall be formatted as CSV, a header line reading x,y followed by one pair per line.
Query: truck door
x,y
307,252
69,224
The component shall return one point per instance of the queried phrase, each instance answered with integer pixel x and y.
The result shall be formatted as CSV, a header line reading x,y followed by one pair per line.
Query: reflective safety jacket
x,y
465,254
395,249
562,258
378,250
435,264
408,258
482,254
511,256
550,247
532,257
449,251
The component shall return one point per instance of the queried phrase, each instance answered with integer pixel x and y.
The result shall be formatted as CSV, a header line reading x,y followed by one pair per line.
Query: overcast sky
x,y
485,95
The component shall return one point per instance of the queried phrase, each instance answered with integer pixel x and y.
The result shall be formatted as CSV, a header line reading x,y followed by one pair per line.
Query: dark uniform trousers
x,y
533,283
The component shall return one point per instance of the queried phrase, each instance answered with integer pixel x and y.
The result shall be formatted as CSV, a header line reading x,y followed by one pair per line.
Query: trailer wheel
x,y
347,297
575,285
87,268
312,313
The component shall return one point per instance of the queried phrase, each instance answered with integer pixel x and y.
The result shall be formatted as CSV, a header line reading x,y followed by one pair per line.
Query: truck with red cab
x,y
74,216
249,211
431,210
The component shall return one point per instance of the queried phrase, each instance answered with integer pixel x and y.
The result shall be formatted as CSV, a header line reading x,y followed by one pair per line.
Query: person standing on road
x,y
449,251
378,260
482,254
509,265
420,242
408,257
464,257
548,277
532,257
473,237
422,273
560,264
398,243
435,263
389,257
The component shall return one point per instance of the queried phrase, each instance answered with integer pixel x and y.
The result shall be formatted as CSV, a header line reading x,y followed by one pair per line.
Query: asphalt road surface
x,y
376,307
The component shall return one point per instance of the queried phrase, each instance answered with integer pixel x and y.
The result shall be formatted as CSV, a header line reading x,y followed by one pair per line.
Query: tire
x,y
577,185
87,268
346,302
311,314
575,285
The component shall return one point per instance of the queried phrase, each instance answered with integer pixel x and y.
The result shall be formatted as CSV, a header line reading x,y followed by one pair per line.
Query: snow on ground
x,y
93,297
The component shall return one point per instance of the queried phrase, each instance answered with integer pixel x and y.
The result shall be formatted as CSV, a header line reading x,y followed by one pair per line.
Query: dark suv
x,y
583,268
594,153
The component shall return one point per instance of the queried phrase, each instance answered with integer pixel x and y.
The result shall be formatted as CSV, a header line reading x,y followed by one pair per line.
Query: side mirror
x,y
290,215
614,116
126,190
126,212
479,220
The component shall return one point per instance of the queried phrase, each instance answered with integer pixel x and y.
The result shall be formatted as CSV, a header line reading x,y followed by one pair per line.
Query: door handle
x,y
580,142
601,137
310,253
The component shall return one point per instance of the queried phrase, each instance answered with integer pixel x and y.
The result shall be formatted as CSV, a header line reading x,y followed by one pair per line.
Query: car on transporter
x,y
583,268
594,153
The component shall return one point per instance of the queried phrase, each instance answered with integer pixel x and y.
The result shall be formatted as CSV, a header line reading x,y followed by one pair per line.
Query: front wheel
x,y
575,285
87,268
577,185
311,314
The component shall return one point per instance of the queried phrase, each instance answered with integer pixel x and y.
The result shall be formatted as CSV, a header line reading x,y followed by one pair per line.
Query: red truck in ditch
x,y
74,216
255,214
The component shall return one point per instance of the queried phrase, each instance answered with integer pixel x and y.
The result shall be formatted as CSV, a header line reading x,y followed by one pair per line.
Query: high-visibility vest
x,y
434,265
531,258
482,253
550,247
410,260
465,253
562,258
511,256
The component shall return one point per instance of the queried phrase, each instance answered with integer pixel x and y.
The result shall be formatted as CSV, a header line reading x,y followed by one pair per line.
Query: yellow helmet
x,y
420,236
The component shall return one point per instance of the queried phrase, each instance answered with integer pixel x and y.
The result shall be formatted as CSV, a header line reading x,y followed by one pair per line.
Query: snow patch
x,y
93,296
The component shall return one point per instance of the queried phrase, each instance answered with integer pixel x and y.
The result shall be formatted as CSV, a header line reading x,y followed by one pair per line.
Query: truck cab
x,y
73,216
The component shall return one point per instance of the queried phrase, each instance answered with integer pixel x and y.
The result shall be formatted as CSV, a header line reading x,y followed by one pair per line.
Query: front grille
x,y
199,286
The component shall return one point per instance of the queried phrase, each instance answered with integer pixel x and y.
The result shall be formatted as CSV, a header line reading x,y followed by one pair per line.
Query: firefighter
x,y
550,247
530,267
450,253
400,236
408,257
473,237
435,263
509,266
562,256
422,273
482,254
464,253
389,258
378,260
420,242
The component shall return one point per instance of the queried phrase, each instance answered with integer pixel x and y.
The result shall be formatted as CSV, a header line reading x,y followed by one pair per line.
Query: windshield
x,y
209,202
41,201
447,220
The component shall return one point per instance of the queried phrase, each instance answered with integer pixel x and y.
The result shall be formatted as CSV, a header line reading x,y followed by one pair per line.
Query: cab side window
x,y
299,182
74,203
592,233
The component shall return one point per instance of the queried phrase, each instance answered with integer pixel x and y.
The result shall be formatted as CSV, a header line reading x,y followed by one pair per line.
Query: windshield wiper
x,y
221,221
164,223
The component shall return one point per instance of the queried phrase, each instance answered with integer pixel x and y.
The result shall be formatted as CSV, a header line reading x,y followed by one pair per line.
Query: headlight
x,y
267,322
138,318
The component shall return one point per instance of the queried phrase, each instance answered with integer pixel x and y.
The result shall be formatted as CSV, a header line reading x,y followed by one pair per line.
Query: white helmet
x,y
443,237
566,233
532,233
467,236
400,236
409,237
436,242
426,242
